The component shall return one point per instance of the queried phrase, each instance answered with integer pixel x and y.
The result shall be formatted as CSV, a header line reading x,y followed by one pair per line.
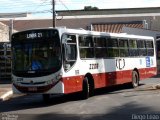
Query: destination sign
x,y
35,34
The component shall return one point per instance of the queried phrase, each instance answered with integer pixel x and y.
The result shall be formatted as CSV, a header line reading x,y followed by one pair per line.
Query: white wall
x,y
4,33
137,31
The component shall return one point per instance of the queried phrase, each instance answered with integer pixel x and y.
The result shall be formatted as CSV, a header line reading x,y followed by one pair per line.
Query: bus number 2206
x,y
93,66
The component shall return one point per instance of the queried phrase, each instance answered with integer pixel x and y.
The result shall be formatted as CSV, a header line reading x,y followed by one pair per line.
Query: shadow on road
x,y
116,89
35,101
126,111
156,76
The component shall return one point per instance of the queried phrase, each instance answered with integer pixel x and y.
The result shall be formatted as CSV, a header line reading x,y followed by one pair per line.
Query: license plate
x,y
32,89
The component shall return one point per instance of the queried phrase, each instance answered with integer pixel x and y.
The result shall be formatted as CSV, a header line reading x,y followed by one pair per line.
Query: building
x,y
140,21
5,52
4,32
110,20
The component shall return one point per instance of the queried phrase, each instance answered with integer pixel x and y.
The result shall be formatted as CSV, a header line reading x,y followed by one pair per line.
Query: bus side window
x,y
69,51
100,46
112,47
142,47
86,47
150,49
133,51
123,48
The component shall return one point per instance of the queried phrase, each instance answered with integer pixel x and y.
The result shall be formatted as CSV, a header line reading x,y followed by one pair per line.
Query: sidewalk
x,y
5,90
5,93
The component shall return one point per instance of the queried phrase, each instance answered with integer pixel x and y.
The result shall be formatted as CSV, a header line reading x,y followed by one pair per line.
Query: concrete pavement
x,y
149,84
5,91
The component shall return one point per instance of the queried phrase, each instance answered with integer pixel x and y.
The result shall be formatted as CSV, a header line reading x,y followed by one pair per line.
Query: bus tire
x,y
46,98
85,90
135,79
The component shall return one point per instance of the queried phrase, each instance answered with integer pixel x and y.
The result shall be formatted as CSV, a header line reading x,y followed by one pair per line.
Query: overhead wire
x,y
47,10
26,7
43,3
69,12
33,13
18,4
21,6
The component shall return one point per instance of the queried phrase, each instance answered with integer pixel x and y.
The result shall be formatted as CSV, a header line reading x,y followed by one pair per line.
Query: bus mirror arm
x,y
68,39
67,66
66,50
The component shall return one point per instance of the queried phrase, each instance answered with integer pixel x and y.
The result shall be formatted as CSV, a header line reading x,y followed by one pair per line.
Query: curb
x,y
154,87
157,86
148,87
6,96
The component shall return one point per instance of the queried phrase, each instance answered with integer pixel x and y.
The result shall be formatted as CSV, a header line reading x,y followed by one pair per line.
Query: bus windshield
x,y
38,55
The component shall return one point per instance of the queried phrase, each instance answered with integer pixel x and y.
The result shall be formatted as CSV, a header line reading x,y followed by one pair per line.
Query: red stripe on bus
x,y
74,83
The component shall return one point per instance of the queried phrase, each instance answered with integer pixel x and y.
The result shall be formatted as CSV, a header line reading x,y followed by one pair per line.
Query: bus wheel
x,y
86,88
46,97
135,79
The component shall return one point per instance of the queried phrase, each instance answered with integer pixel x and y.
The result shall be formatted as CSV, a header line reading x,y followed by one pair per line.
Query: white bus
x,y
62,61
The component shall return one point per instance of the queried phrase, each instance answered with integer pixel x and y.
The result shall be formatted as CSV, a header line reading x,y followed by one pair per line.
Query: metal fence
x,y
5,61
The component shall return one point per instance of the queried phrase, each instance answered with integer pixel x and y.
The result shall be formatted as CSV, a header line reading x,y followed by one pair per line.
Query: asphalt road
x,y
114,103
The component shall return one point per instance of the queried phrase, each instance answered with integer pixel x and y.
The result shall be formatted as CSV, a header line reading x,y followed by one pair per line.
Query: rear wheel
x,y
135,79
85,91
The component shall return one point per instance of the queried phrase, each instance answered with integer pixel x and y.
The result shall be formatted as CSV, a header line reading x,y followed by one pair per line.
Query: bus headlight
x,y
59,76
49,82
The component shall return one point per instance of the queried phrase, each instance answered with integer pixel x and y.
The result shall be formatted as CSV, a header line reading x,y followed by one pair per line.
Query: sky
x,y
43,8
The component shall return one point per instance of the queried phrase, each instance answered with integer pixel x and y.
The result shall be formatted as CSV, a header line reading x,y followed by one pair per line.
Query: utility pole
x,y
10,29
54,13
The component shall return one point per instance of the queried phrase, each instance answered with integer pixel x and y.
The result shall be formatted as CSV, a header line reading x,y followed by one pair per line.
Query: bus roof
x,y
87,32
120,35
